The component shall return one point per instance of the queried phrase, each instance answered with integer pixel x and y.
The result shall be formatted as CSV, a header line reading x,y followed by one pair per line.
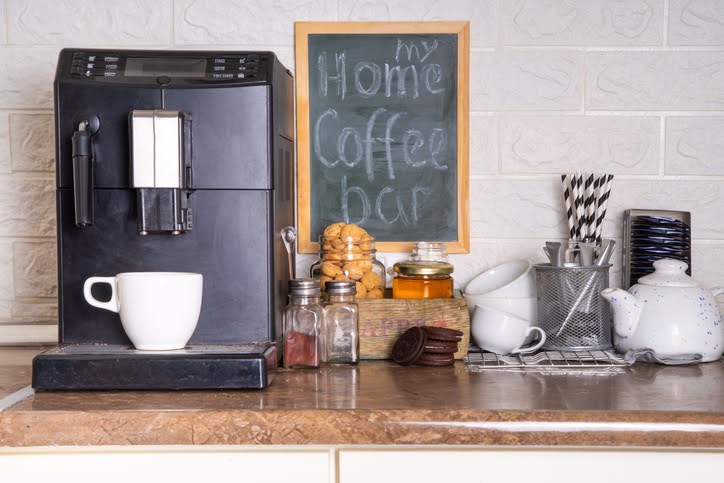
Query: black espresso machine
x,y
172,161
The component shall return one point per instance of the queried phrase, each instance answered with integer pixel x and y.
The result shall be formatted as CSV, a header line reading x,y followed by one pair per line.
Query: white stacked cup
x,y
509,288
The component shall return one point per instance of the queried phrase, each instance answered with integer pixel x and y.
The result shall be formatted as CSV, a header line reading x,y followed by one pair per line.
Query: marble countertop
x,y
380,403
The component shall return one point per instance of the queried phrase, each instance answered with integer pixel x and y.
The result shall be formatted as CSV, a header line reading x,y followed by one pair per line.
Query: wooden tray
x,y
381,321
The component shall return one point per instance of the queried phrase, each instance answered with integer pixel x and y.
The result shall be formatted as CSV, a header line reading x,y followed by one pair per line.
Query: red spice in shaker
x,y
303,319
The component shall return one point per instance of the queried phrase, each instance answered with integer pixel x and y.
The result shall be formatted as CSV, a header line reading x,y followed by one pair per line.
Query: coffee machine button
x,y
163,80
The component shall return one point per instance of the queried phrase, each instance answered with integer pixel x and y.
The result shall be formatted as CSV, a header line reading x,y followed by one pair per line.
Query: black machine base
x,y
113,367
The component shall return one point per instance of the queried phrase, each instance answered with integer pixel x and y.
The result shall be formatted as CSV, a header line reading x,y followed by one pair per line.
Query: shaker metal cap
x,y
340,287
304,286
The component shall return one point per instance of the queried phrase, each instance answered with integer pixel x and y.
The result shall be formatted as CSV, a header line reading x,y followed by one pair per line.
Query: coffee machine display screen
x,y
152,67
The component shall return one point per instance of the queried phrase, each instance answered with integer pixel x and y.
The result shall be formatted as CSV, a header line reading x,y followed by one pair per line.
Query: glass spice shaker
x,y
303,325
341,321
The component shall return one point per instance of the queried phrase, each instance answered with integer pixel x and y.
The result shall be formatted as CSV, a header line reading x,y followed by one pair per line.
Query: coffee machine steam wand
x,y
83,174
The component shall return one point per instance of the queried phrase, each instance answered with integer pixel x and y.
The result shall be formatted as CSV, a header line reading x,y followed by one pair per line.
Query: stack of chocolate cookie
x,y
427,346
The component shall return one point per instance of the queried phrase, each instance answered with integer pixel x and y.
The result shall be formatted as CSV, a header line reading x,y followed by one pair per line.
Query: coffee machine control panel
x,y
166,68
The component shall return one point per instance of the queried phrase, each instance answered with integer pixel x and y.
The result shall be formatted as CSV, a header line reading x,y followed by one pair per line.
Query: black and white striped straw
x,y
569,208
592,216
578,193
605,189
585,196
589,205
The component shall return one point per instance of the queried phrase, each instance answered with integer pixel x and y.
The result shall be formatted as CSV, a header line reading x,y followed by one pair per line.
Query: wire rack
x,y
550,361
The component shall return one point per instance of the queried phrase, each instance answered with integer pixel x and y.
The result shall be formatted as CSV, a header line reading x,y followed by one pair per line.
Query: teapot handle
x,y
717,291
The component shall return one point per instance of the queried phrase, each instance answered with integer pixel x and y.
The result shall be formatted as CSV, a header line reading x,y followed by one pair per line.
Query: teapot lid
x,y
669,273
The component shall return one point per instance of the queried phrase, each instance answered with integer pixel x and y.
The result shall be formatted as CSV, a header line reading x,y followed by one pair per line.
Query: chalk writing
x,y
383,126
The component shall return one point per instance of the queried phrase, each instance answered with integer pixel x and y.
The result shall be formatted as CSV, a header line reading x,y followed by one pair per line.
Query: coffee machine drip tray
x,y
116,367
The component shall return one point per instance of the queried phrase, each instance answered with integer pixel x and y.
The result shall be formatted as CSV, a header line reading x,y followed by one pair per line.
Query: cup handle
x,y
112,304
533,348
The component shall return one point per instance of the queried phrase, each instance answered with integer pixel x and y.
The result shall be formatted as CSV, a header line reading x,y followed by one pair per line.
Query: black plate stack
x,y
653,236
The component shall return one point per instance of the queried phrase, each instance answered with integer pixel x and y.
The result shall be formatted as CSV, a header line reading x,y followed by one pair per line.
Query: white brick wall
x,y
632,87
585,23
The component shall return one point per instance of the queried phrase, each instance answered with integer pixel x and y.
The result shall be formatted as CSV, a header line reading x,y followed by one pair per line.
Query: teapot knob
x,y
668,265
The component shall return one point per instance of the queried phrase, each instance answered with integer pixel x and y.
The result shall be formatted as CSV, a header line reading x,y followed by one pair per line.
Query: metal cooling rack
x,y
549,361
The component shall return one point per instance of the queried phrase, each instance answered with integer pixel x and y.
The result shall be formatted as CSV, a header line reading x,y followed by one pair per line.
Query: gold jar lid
x,y
423,267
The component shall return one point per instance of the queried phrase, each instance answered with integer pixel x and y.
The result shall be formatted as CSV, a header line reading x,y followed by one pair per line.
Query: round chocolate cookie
x,y
440,346
409,346
441,333
427,359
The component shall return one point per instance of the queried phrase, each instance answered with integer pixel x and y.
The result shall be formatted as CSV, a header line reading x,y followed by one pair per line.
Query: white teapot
x,y
669,313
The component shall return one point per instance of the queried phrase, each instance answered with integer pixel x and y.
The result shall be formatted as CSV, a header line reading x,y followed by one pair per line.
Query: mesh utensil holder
x,y
571,310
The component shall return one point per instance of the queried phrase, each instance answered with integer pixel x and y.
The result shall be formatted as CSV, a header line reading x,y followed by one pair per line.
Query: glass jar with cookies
x,y
347,252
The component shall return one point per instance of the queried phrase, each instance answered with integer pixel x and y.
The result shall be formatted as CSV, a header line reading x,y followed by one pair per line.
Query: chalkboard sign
x,y
382,116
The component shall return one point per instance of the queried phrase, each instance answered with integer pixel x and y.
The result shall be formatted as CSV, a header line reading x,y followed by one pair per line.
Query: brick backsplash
x,y
532,81
592,23
634,88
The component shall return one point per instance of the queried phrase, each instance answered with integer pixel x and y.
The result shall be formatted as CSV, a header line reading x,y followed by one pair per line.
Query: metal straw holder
x,y
570,308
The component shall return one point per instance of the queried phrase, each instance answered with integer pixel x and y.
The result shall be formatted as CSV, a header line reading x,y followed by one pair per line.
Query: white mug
x,y
158,310
525,308
513,279
502,332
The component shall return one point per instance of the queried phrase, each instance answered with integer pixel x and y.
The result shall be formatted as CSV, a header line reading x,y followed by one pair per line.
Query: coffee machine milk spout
x,y
82,154
161,170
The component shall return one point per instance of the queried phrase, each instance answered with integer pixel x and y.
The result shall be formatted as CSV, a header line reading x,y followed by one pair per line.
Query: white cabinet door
x,y
528,465
165,464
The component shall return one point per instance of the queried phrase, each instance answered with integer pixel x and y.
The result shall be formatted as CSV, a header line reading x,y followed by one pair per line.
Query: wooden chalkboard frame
x,y
302,32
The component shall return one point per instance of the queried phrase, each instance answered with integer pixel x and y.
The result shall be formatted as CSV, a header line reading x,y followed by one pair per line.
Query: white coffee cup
x,y
513,279
525,308
502,332
158,310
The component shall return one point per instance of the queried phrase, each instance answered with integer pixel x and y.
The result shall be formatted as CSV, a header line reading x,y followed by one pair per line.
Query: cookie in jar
x,y
347,252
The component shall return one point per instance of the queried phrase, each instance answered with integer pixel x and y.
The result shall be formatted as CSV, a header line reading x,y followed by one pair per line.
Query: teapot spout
x,y
626,311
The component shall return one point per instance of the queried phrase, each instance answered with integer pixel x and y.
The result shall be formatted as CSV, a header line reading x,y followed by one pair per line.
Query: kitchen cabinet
x,y
357,464
171,464
529,465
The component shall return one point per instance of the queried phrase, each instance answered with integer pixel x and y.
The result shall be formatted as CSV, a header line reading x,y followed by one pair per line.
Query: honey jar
x,y
422,279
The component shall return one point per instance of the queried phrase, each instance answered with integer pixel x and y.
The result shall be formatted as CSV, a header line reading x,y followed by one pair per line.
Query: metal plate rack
x,y
550,361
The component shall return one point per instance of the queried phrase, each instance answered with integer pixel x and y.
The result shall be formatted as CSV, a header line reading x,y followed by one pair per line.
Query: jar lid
x,y
423,267
340,287
304,286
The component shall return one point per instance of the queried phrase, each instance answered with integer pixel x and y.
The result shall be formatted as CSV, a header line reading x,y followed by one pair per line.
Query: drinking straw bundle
x,y
585,196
